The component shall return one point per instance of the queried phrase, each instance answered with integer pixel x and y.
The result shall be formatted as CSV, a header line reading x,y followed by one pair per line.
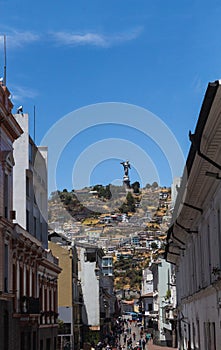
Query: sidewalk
x,y
151,346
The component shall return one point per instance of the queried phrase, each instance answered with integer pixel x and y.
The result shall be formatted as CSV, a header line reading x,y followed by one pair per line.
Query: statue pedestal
x,y
126,182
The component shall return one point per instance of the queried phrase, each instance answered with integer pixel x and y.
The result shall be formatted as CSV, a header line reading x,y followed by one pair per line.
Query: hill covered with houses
x,y
133,223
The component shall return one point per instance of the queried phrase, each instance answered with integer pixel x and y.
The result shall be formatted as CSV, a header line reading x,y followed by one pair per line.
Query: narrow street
x,y
138,336
151,346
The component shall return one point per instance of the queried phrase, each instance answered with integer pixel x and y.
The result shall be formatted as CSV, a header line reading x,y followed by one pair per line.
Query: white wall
x,y
147,282
36,171
19,177
198,289
90,289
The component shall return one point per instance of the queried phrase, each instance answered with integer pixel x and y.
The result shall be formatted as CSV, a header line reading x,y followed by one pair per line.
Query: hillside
x,y
117,212
93,213
87,203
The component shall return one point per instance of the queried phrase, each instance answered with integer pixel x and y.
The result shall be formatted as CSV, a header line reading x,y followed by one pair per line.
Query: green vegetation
x,y
154,245
103,191
127,271
72,204
129,205
92,337
154,185
136,187
168,294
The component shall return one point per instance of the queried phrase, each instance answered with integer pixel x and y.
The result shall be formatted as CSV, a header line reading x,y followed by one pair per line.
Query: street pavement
x,y
149,345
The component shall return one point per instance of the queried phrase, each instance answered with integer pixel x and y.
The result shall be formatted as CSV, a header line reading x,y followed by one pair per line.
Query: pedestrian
x,y
148,337
143,343
134,336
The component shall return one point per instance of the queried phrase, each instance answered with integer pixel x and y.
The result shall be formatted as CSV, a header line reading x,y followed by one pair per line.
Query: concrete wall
x,y
90,289
164,278
198,286
21,151
147,282
30,167
65,278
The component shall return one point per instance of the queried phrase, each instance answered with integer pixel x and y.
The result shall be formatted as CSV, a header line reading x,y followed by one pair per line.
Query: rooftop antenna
x,y
4,79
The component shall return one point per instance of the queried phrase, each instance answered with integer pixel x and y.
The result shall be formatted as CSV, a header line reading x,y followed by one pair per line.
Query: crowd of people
x,y
127,335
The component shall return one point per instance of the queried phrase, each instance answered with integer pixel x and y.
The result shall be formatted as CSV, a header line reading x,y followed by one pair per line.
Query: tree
x,y
103,192
154,184
67,199
136,187
129,205
154,245
130,202
148,186
108,194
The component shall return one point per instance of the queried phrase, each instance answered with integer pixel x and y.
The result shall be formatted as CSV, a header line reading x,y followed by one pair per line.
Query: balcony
x,y
30,305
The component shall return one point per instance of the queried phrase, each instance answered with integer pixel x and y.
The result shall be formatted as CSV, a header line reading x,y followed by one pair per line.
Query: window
x,y
150,307
209,253
6,331
55,301
194,335
45,300
34,347
27,186
90,256
198,332
6,269
14,282
30,153
22,340
206,335
210,335
219,236
27,283
6,196
21,282
33,284
50,300
27,220
48,344
35,226
35,194
41,231
105,262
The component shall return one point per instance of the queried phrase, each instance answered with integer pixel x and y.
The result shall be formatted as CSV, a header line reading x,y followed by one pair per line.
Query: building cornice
x,y
11,126
196,188
202,293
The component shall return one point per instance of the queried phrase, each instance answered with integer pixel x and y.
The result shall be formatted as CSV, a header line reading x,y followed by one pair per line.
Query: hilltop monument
x,y
126,179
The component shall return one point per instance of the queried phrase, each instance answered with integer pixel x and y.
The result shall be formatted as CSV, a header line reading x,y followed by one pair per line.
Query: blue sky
x,y
158,55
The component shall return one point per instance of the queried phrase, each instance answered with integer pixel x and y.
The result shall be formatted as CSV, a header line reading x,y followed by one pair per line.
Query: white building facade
x,y
35,270
161,270
194,239
30,184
